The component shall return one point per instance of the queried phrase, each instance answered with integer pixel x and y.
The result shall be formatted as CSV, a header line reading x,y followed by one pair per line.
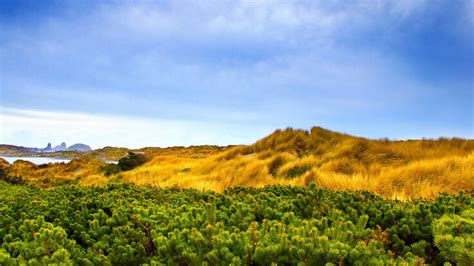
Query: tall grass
x,y
393,169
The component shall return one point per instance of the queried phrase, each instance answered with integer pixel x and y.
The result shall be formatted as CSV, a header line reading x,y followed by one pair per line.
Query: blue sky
x,y
162,73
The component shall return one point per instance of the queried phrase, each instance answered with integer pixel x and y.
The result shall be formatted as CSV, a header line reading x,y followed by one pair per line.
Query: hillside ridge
x,y
393,169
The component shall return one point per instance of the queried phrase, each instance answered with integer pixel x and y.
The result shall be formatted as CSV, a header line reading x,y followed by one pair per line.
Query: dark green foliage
x,y
110,169
131,161
303,154
128,225
276,163
11,179
297,171
185,170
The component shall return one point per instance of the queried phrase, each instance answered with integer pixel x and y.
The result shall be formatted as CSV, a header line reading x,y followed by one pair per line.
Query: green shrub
x,y
11,179
122,224
454,236
110,169
131,161
297,171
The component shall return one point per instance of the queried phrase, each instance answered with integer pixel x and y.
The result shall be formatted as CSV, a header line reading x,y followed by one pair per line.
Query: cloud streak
x,y
30,127
249,63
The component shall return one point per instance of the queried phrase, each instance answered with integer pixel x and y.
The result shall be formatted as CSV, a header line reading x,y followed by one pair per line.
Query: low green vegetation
x,y
454,236
109,169
297,171
131,161
130,225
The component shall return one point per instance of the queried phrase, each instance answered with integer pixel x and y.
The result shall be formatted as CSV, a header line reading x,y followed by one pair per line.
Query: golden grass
x,y
393,169
428,177
94,180
49,175
424,178
337,181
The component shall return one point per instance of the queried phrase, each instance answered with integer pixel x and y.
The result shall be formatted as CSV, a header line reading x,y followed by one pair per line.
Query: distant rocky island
x,y
79,147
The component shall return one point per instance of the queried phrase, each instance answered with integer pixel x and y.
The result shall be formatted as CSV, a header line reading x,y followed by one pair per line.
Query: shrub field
x,y
122,224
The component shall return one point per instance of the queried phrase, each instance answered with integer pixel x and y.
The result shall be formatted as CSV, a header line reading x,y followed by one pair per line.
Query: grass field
x,y
392,169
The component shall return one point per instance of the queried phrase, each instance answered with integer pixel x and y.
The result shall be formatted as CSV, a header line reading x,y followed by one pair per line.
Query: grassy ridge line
x,y
85,170
393,169
125,224
115,153
422,178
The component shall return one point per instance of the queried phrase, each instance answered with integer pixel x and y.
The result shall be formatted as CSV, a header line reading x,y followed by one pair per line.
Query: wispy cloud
x,y
344,65
31,127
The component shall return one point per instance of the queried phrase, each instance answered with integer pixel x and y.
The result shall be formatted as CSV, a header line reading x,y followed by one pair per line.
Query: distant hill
x,y
62,147
79,147
14,148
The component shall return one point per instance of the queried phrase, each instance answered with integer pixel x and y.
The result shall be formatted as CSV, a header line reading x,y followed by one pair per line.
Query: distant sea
x,y
36,160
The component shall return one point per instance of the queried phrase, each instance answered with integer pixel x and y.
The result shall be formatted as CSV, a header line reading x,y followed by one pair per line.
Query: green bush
x,y
110,169
131,161
121,224
454,236
11,179
297,171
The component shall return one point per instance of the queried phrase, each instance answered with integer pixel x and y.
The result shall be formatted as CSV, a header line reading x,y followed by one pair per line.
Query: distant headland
x,y
62,147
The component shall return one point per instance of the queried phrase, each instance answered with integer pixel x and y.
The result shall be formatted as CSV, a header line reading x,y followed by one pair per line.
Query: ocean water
x,y
36,160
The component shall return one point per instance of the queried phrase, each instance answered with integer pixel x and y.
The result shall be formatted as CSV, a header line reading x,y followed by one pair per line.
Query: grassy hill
x,y
393,169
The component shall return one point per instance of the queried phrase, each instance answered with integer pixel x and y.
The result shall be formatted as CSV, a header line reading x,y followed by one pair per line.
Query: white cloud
x,y
215,21
246,62
36,128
